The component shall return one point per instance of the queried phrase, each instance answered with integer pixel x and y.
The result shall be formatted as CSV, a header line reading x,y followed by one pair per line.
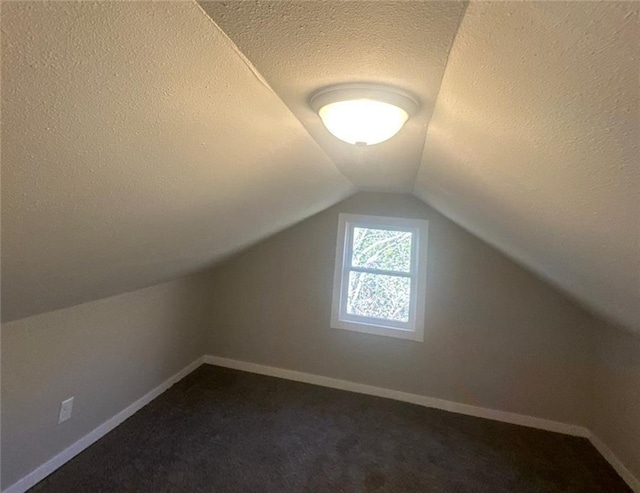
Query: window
x,y
380,276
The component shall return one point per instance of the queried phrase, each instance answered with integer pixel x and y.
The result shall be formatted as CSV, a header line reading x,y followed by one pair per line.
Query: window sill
x,y
381,330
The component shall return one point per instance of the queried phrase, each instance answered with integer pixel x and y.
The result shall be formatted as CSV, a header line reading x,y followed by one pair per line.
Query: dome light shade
x,y
363,121
363,114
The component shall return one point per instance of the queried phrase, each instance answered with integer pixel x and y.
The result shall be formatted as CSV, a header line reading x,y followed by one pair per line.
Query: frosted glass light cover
x,y
363,121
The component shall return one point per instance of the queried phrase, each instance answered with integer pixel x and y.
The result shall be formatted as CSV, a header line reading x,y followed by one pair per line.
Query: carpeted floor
x,y
222,430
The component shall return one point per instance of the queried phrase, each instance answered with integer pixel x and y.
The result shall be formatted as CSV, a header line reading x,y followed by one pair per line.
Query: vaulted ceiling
x,y
144,141
302,46
534,144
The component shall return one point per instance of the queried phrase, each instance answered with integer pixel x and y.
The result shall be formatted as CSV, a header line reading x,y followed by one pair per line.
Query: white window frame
x,y
340,319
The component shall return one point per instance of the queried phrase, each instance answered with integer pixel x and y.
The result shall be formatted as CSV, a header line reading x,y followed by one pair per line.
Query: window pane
x,y
381,249
379,296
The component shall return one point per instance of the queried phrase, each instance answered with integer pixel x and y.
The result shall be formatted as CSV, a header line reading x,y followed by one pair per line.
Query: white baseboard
x,y
71,451
421,400
67,454
621,469
456,407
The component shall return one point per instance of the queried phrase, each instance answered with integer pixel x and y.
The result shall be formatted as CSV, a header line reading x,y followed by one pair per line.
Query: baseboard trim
x,y
445,405
621,469
74,449
38,474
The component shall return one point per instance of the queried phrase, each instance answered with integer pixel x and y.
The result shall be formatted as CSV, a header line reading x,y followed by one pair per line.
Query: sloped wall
x,y
106,353
495,335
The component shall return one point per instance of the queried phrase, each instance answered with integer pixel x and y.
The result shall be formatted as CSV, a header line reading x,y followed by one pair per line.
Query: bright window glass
x,y
381,249
379,296
380,276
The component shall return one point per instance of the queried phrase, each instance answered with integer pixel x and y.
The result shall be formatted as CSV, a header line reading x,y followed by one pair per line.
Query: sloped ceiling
x,y
140,142
300,47
138,146
534,144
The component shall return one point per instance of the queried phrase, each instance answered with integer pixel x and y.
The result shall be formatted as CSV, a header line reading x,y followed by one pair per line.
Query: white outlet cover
x,y
65,410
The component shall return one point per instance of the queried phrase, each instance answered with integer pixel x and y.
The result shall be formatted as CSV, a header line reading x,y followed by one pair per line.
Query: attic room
x,y
320,246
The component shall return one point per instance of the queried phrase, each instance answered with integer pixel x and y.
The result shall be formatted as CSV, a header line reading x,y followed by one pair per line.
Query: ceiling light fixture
x,y
363,114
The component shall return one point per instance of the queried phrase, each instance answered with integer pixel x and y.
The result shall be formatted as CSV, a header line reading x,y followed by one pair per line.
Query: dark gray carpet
x,y
222,430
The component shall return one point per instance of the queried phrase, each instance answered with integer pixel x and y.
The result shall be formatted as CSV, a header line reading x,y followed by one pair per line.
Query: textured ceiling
x,y
534,143
300,47
139,143
138,146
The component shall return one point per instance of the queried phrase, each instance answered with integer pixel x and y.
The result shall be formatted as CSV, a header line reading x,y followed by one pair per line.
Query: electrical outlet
x,y
65,410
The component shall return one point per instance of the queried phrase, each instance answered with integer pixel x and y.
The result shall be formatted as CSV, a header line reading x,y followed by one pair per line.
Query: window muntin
x,y
380,276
